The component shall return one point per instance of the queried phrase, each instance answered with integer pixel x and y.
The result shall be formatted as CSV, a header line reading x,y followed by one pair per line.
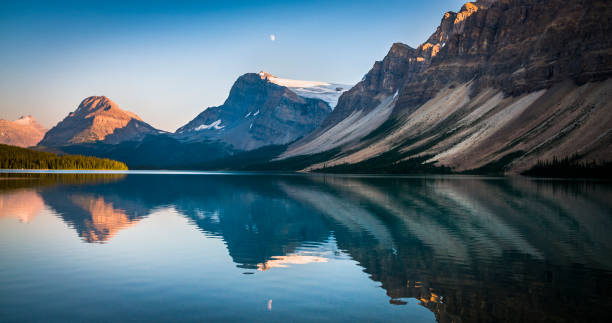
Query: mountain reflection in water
x,y
468,249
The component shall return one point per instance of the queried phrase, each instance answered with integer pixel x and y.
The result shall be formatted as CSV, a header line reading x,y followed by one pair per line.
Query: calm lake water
x,y
240,247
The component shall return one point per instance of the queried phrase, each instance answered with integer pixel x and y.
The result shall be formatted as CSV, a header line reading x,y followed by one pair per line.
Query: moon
x,y
272,37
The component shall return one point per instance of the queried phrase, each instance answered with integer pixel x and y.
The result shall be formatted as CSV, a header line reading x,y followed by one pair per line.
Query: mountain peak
x,y
97,97
326,91
265,75
95,103
23,120
467,10
261,110
98,106
400,46
97,118
97,100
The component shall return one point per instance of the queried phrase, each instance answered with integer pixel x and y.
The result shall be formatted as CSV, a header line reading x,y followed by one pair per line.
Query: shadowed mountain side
x,y
161,151
257,113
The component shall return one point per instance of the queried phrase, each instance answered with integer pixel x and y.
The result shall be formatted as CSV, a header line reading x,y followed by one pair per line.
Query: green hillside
x,y
12,157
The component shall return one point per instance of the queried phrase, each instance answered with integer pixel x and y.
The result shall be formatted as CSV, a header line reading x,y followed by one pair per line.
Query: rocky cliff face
x,y
517,46
507,81
401,64
97,119
383,80
257,113
364,107
23,132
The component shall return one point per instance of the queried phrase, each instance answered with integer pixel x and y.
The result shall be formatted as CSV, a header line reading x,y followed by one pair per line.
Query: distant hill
x,y
12,157
23,132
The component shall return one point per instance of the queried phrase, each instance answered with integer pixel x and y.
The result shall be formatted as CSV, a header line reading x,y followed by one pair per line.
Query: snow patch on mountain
x,y
328,92
215,125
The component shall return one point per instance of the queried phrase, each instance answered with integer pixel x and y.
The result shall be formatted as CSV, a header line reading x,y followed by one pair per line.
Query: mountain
x,y
260,112
23,132
97,119
500,85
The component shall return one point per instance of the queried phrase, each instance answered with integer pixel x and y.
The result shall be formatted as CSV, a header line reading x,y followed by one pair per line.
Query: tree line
x,y
12,157
571,167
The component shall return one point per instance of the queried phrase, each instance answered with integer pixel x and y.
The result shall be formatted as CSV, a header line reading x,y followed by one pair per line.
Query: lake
x,y
155,246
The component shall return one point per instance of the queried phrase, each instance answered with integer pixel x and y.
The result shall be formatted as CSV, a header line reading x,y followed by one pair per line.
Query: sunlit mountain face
x,y
462,249
23,132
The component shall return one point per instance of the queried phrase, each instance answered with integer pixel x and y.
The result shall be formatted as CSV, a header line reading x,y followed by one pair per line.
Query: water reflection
x,y
469,249
21,204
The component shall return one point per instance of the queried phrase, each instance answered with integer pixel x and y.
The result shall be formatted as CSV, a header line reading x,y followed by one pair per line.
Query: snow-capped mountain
x,y
259,112
23,132
328,92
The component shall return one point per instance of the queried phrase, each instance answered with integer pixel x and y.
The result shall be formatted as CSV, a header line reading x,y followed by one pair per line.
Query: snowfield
x,y
328,92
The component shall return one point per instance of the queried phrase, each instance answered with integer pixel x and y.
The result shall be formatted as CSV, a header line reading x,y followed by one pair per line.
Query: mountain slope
x,y
364,107
97,119
257,113
23,132
501,82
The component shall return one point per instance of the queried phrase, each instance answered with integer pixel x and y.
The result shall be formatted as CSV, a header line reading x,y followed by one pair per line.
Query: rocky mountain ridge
x,y
506,82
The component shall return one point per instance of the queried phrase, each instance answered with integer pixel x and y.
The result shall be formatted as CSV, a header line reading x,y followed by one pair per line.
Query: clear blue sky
x,y
168,60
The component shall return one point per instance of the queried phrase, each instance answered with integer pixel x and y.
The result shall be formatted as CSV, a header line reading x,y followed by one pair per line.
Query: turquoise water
x,y
197,246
